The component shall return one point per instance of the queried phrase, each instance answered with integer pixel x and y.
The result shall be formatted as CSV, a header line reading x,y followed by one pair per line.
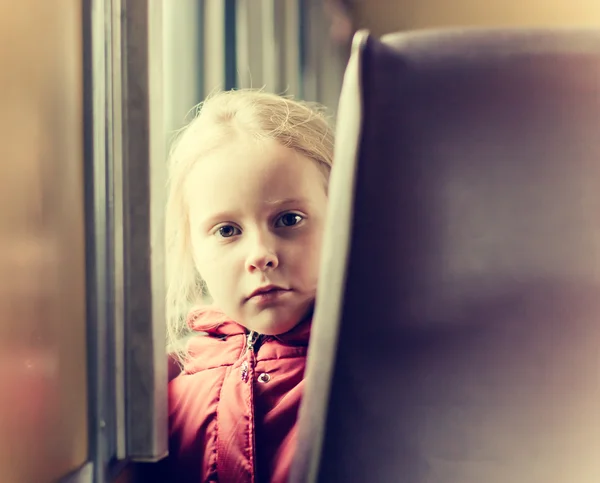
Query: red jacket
x,y
233,410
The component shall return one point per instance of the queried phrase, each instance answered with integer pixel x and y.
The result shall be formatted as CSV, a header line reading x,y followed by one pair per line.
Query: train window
x,y
128,182
125,177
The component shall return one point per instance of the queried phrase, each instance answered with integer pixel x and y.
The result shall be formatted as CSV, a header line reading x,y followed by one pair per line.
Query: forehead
x,y
248,172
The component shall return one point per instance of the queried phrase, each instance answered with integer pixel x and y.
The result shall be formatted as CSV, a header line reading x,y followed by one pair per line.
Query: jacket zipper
x,y
247,374
251,340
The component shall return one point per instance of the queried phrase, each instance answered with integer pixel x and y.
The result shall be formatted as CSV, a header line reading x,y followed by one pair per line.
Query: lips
x,y
267,289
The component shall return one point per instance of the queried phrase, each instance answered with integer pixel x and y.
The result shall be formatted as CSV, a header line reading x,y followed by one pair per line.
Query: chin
x,y
273,322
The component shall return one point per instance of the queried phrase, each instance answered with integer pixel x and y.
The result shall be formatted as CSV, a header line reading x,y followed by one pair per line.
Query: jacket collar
x,y
212,321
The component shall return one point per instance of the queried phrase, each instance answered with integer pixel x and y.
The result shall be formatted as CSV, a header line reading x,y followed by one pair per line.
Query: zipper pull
x,y
250,340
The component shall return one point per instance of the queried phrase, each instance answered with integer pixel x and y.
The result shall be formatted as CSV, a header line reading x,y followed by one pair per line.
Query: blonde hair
x,y
298,125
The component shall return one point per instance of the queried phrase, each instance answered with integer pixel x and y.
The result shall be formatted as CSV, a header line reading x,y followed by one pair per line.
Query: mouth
x,y
267,290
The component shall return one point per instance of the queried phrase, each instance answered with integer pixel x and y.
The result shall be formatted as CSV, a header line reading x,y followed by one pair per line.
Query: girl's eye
x,y
289,219
227,231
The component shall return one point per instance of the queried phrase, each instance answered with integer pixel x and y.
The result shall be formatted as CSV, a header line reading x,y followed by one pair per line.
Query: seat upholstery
x,y
457,329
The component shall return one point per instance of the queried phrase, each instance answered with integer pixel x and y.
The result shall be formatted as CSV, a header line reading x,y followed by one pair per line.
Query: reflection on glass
x,y
43,394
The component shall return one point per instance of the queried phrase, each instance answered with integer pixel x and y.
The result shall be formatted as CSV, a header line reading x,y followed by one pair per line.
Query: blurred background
x,y
92,92
291,47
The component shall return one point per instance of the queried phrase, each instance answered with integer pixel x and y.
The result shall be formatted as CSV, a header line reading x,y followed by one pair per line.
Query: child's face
x,y
257,212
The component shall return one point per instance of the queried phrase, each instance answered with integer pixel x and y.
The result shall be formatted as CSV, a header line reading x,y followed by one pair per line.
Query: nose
x,y
262,256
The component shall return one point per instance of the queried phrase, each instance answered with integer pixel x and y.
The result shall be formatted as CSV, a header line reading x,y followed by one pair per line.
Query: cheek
x,y
209,269
216,266
307,256
215,279
204,258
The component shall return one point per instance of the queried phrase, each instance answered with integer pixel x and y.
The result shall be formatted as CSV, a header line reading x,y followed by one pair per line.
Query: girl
x,y
245,216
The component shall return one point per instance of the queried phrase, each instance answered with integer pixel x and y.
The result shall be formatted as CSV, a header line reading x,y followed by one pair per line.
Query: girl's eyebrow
x,y
214,218
287,201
